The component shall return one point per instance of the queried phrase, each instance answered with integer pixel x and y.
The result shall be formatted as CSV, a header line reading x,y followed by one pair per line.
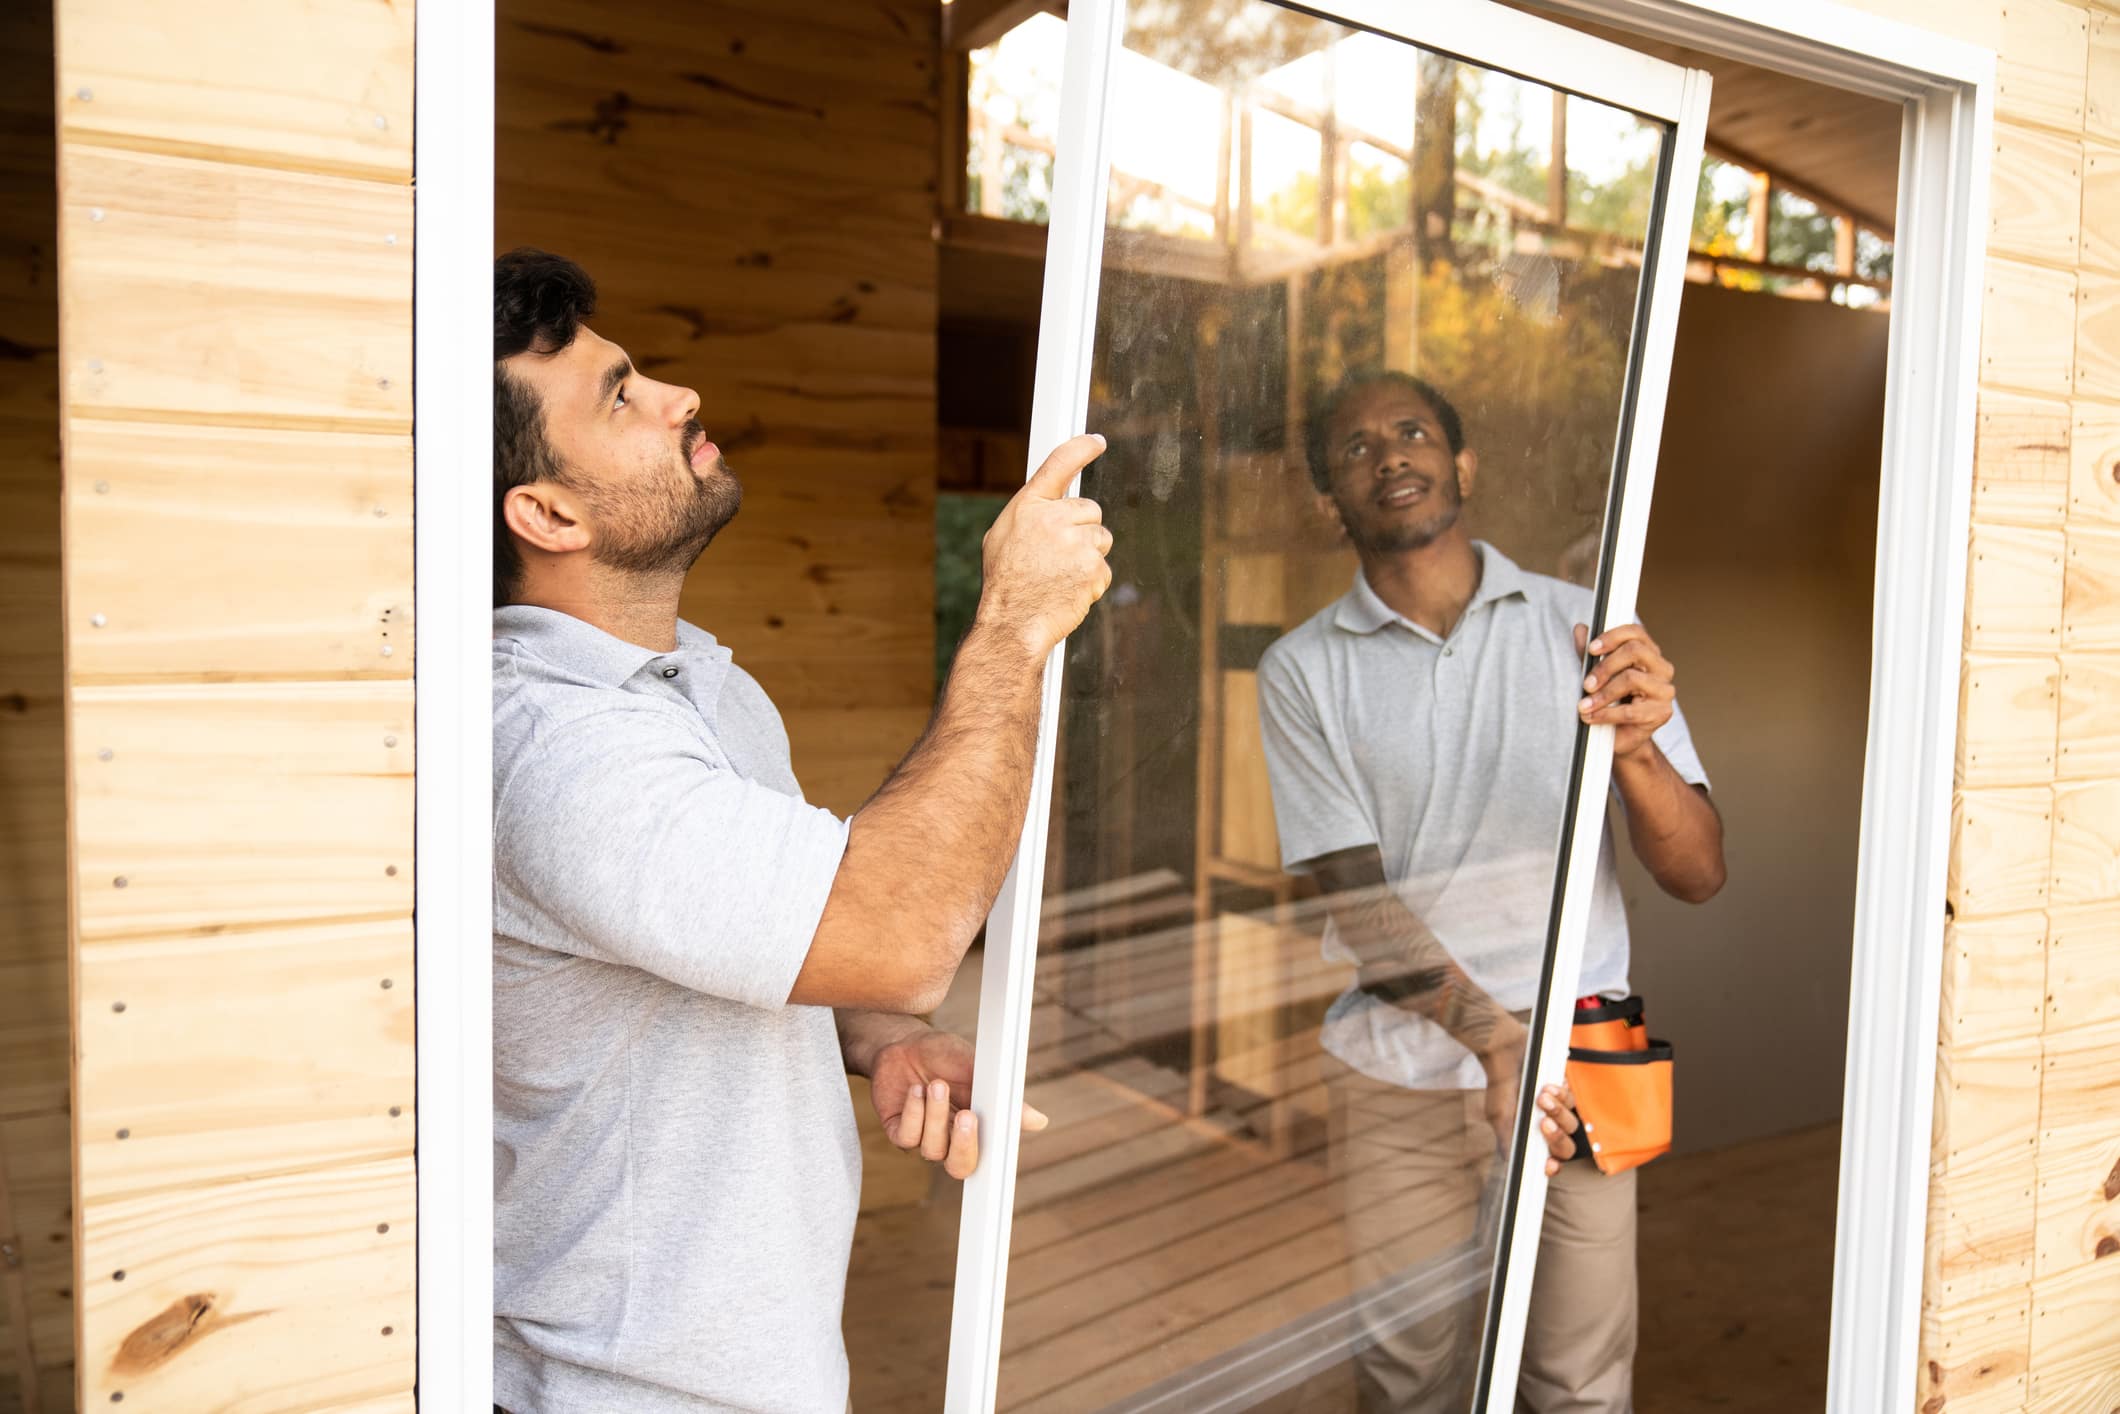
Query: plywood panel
x,y
2034,503
2086,842
2090,715
2013,589
2006,713
1974,1353
244,1054
323,85
1994,979
2036,202
232,551
2001,849
2090,605
1247,825
2083,965
843,754
241,805
2021,439
1987,1106
2041,63
2027,328
2074,1315
1980,1238
2101,201
2079,1152
2098,335
290,1292
2094,463
2102,92
235,294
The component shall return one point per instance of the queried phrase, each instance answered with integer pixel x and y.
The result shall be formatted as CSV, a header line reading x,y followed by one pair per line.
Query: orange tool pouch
x,y
1622,1084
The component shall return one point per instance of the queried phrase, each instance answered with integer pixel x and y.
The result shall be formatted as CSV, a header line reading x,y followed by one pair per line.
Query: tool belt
x,y
1622,1083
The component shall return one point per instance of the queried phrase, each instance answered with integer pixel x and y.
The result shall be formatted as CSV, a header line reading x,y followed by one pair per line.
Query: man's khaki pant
x,y
1412,1166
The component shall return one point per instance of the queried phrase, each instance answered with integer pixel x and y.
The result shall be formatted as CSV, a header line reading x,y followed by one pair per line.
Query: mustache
x,y
694,435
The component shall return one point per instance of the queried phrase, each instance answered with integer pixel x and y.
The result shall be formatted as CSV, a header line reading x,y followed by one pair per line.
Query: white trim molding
x,y
453,698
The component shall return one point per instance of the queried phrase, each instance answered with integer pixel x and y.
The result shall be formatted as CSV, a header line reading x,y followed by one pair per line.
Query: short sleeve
x,y
632,847
1315,810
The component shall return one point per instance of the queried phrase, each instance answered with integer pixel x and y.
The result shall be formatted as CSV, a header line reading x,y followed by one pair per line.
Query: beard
x,y
1395,536
662,525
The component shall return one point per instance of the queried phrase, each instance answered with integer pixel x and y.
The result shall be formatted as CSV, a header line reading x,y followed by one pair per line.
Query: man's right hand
x,y
1044,556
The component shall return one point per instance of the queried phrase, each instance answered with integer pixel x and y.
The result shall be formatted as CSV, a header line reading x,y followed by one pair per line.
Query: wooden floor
x,y
1145,1244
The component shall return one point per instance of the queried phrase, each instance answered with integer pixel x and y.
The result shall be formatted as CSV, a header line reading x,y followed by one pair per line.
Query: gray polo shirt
x,y
675,1166
1452,756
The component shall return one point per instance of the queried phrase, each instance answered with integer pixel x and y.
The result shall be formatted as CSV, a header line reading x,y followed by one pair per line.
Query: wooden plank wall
x,y
2022,1291
36,1199
752,186
235,355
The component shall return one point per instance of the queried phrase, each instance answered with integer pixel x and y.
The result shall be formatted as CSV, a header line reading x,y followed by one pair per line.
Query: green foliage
x,y
960,523
1798,233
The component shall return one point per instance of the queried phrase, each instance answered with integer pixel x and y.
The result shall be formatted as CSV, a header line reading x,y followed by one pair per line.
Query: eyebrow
x,y
613,376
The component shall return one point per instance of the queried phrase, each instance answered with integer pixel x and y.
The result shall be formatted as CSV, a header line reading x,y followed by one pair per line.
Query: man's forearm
x,y
1673,826
927,854
863,1034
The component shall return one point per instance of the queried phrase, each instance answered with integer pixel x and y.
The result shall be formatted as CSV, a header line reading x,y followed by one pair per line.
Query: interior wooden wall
x,y
235,355
2022,1296
752,186
36,1272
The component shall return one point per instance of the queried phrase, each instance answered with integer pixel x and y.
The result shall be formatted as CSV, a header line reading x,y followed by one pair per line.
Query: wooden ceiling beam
x,y
974,24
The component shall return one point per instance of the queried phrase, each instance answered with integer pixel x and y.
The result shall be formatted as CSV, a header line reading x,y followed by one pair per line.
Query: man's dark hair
x,y
539,303
1321,420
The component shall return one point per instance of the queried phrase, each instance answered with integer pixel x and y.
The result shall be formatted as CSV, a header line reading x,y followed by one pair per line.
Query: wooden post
x,y
1762,209
1557,171
1435,158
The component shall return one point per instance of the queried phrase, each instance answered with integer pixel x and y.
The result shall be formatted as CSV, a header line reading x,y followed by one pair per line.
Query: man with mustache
x,y
1419,734
688,959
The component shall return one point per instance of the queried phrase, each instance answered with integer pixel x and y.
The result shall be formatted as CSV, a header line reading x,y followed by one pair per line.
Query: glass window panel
x,y
1379,193
1798,233
1305,841
1012,118
1722,214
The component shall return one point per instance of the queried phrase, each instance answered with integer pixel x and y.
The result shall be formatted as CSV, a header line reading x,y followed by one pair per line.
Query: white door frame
x,y
1947,88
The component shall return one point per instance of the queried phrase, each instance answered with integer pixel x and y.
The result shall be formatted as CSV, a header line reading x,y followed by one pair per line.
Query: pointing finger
x,y
1057,473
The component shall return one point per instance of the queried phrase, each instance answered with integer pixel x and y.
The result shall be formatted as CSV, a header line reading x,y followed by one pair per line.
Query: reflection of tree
x,y
1224,41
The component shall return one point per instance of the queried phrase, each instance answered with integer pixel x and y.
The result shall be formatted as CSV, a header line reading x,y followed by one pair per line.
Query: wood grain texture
x,y
223,551
2035,205
2090,605
2042,62
2101,201
2094,463
2101,109
320,85
2079,1141
2086,842
2007,708
1980,1234
2074,1315
2001,850
1974,1353
793,148
241,805
234,294
1987,1106
2090,716
222,1283
244,1054
1994,979
2027,328
2098,334
2021,439
2082,966
2013,589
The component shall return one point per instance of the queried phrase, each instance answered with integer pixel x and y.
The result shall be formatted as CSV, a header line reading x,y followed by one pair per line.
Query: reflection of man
x,y
1419,740
687,958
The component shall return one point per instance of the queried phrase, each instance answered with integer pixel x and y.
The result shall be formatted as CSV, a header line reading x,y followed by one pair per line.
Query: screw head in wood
x,y
97,621
382,1227
105,754
395,1111
390,871
380,513
387,1329
95,213
125,1134
120,882
390,741
118,1275
382,382
117,1006
95,365
390,239
381,122
102,488
386,984
86,95
388,650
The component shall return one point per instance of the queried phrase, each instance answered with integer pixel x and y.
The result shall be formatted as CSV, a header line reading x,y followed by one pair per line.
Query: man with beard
x,y
687,958
1418,735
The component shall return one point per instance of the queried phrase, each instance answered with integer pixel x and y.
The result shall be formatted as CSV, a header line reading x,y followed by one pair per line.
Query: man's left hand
x,y
921,1086
1630,687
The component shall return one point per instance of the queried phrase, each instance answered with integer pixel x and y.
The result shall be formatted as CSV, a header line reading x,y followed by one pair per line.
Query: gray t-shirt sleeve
x,y
1675,740
636,849
1315,810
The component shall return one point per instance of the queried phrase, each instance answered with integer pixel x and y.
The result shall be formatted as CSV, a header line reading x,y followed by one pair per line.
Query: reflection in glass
x,y
1303,847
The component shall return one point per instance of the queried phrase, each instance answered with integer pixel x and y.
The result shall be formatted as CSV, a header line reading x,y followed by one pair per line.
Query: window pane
x,y
1722,214
1306,833
1012,116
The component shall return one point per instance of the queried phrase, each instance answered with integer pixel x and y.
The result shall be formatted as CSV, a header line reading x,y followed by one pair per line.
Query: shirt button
x,y
669,672
1448,651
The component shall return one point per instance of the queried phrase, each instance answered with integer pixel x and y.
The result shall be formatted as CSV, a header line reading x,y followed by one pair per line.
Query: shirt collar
x,y
575,644
1360,610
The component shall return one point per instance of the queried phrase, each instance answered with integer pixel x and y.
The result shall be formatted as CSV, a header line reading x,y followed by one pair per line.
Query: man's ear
x,y
545,516
1468,471
1329,513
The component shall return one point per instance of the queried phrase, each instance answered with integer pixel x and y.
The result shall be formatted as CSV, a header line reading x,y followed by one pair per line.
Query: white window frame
x,y
1497,38
1947,88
